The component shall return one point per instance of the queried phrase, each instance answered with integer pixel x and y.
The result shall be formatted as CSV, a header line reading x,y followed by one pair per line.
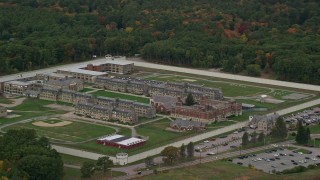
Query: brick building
x,y
65,83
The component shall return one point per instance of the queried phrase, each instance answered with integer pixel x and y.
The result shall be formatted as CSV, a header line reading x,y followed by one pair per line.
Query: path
x,y
15,102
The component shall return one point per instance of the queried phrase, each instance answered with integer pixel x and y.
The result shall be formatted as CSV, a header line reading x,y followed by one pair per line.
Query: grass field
x,y
155,131
74,132
75,174
228,89
4,100
86,90
315,129
31,108
73,160
121,96
227,170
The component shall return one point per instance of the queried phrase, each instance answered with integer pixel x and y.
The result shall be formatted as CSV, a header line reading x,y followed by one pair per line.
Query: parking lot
x,y
278,159
308,117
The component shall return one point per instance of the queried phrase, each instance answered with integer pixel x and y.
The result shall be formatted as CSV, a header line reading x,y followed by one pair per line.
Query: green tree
x,y
261,137
190,149
253,70
253,137
103,163
308,136
87,169
190,100
182,151
245,139
170,154
279,130
301,137
148,161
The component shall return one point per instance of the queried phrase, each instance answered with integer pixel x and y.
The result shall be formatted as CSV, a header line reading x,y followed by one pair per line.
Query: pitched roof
x,y
167,101
186,123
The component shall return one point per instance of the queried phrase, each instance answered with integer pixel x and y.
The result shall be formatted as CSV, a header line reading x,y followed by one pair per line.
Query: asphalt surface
x,y
176,69
273,161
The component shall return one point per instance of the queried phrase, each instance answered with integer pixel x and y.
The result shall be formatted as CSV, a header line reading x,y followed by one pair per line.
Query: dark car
x,y
295,163
292,161
291,155
230,160
278,158
307,158
310,152
240,163
272,159
294,151
139,172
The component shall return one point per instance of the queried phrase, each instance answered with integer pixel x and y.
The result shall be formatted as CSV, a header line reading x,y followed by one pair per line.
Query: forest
x,y
251,37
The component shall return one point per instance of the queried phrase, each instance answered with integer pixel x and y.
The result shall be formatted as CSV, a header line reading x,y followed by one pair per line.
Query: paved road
x,y
298,107
176,69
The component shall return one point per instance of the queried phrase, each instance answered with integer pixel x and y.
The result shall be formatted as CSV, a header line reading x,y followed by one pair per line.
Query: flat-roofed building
x,y
49,93
144,110
82,74
66,83
113,65
20,87
66,96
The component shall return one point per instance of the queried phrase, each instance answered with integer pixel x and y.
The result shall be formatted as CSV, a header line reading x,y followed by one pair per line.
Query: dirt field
x,y
44,124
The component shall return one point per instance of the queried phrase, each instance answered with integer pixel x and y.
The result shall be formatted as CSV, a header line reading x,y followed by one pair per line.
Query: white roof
x,y
118,62
109,138
83,71
130,141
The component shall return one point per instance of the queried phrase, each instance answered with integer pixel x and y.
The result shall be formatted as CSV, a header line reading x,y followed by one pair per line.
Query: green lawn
x,y
121,96
227,170
228,89
31,108
74,132
75,174
315,129
155,131
4,100
220,124
73,160
86,90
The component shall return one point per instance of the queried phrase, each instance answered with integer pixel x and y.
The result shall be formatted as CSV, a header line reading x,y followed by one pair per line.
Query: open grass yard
x,y
30,104
4,100
220,124
228,89
227,170
121,96
86,90
75,174
315,129
73,160
74,132
93,146
155,131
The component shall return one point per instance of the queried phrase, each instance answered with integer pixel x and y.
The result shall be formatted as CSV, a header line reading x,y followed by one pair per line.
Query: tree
x,y
103,163
261,137
190,149
253,137
87,169
301,137
30,156
148,161
182,151
245,139
171,154
308,136
279,130
190,100
253,70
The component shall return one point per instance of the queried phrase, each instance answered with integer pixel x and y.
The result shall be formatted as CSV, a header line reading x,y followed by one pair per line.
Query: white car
x,y
276,155
211,153
206,141
315,159
259,159
236,132
300,152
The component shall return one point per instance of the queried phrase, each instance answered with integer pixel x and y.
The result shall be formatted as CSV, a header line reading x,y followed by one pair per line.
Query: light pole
x,y
200,155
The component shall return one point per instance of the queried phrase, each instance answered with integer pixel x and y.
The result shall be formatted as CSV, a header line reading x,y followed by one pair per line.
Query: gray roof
x,y
64,82
83,71
105,98
269,118
167,101
187,123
